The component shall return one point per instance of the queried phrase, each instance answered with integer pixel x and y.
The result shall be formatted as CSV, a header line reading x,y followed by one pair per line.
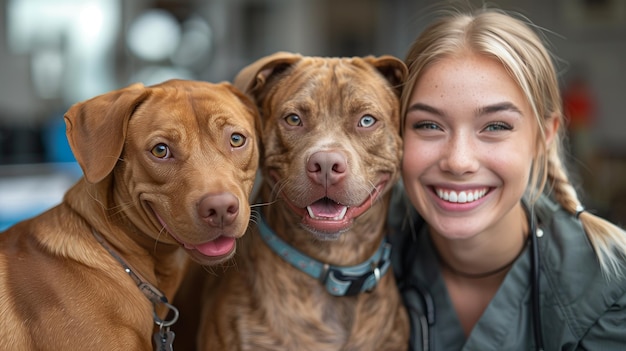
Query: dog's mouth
x,y
211,252
220,246
327,209
328,218
214,251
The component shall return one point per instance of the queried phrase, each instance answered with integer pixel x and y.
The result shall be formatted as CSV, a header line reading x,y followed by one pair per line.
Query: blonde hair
x,y
513,42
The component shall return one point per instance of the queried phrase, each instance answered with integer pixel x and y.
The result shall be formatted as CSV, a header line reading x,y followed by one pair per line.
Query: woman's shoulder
x,y
578,290
565,244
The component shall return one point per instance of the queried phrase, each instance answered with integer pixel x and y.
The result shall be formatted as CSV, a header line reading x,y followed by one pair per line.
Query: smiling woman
x,y
469,143
482,168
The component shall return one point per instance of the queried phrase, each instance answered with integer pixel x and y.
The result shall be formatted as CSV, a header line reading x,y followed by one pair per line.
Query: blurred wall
x,y
74,49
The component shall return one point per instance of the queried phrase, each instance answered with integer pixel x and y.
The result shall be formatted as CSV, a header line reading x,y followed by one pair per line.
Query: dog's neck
x,y
163,270
343,280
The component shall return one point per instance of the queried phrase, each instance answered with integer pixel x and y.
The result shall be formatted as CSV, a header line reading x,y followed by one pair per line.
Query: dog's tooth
x,y
343,213
310,211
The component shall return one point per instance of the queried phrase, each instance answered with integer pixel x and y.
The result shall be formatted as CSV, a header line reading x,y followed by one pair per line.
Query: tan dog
x,y
168,170
316,275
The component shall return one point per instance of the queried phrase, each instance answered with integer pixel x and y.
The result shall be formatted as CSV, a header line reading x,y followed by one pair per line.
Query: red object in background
x,y
579,104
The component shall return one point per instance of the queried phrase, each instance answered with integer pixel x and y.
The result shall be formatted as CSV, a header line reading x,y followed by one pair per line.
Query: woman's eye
x,y
497,126
237,140
293,120
160,151
426,125
367,121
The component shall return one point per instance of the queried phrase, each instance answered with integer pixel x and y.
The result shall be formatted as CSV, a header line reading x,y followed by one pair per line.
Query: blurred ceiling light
x,y
154,35
195,42
32,23
71,44
91,19
47,69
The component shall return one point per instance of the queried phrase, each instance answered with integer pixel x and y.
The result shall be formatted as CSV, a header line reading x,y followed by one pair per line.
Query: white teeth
x,y
461,196
336,218
342,214
453,197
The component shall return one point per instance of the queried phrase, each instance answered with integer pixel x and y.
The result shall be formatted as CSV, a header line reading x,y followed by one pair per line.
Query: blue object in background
x,y
27,190
32,189
56,147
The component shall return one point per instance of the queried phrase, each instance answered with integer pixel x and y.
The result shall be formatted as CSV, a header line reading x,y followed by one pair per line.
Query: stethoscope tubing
x,y
535,272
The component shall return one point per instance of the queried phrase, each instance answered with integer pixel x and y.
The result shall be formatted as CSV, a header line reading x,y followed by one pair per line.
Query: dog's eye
x,y
293,120
160,151
367,121
237,140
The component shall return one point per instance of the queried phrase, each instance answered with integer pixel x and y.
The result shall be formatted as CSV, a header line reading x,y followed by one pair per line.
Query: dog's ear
x,y
253,77
96,129
392,68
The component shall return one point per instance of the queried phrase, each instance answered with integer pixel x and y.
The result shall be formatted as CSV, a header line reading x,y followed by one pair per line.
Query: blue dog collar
x,y
339,280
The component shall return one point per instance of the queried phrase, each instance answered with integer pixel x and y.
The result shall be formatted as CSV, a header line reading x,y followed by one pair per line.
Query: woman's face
x,y
469,143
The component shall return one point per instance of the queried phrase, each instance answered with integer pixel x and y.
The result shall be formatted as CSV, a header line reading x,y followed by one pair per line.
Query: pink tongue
x,y
217,247
326,208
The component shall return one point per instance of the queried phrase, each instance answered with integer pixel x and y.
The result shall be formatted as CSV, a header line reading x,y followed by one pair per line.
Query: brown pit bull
x,y
168,170
315,275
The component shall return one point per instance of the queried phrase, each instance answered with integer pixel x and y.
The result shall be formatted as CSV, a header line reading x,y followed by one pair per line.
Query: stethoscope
x,y
427,319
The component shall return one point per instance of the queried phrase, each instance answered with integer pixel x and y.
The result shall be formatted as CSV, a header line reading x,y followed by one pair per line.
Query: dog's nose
x,y
327,167
219,210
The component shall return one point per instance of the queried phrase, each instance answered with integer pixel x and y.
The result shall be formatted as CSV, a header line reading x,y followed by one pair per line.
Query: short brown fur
x,y
262,302
59,287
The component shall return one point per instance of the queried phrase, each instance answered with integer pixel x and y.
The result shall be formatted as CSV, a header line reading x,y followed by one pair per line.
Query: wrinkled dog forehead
x,y
343,86
318,74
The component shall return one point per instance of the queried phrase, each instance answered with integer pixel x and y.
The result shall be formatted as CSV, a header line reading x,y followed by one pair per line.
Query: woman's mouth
x,y
461,196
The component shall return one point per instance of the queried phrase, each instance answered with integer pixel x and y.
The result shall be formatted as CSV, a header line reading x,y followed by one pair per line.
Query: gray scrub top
x,y
580,309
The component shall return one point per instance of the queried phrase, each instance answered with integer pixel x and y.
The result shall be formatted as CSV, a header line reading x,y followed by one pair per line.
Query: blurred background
x,y
56,53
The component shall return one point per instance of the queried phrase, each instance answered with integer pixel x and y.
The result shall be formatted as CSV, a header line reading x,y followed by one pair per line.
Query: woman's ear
x,y
552,128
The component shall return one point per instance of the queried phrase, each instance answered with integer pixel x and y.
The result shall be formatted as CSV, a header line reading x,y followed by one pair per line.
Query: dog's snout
x,y
327,167
219,210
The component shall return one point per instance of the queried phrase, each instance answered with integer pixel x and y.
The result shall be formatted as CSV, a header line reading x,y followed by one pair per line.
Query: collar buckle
x,y
344,281
356,283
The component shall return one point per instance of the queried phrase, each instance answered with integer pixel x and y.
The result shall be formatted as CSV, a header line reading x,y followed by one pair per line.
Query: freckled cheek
x,y
510,164
417,157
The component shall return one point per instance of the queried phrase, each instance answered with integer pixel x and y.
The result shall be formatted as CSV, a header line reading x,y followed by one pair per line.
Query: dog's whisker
x,y
156,240
229,264
121,208
277,189
210,270
93,197
264,203
372,196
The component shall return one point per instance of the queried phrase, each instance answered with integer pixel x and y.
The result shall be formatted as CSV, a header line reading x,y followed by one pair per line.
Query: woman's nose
x,y
460,156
